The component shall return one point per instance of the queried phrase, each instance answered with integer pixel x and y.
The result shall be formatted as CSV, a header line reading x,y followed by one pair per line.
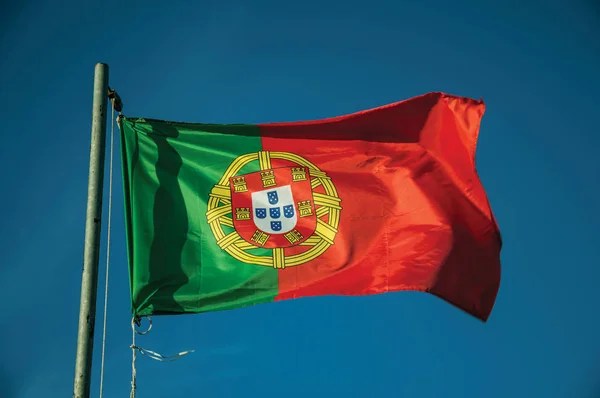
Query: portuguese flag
x,y
225,216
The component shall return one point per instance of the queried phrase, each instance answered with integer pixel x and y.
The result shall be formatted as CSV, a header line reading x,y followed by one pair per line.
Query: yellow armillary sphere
x,y
278,211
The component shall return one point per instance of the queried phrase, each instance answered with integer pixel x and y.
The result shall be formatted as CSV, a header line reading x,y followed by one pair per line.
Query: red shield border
x,y
243,213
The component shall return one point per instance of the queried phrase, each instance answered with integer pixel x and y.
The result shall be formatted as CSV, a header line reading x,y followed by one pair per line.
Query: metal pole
x,y
89,278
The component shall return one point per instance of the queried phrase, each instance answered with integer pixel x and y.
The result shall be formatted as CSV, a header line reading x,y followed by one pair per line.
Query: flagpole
x,y
89,277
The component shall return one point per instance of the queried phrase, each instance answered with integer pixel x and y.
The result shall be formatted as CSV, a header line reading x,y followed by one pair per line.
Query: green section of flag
x,y
175,264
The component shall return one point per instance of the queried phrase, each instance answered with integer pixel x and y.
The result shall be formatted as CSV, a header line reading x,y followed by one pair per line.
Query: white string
x,y
110,195
150,354
159,357
133,372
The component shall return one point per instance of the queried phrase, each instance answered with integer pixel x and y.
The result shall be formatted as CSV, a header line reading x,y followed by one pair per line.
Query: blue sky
x,y
534,63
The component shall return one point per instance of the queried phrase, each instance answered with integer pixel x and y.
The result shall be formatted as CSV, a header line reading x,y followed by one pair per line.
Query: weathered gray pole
x,y
89,278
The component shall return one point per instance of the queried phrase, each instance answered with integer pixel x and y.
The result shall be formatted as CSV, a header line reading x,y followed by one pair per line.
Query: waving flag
x,y
388,199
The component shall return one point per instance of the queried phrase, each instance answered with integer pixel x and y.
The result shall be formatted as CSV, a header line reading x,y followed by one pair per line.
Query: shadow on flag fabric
x,y
225,216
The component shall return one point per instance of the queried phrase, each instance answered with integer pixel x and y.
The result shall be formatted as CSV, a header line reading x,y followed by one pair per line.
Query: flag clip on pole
x,y
89,277
115,99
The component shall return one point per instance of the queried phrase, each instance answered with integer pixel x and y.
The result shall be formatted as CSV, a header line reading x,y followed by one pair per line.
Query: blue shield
x,y
273,197
275,212
276,225
261,213
288,211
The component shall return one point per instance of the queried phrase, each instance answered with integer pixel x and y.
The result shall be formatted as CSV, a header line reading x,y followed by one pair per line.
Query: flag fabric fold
x,y
224,216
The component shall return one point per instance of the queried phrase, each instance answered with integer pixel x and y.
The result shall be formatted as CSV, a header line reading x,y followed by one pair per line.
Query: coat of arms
x,y
276,208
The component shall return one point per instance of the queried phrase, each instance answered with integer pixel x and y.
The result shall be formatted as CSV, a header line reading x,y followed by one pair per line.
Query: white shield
x,y
273,210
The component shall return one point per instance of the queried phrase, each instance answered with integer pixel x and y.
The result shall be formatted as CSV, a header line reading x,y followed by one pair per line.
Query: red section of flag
x,y
415,215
